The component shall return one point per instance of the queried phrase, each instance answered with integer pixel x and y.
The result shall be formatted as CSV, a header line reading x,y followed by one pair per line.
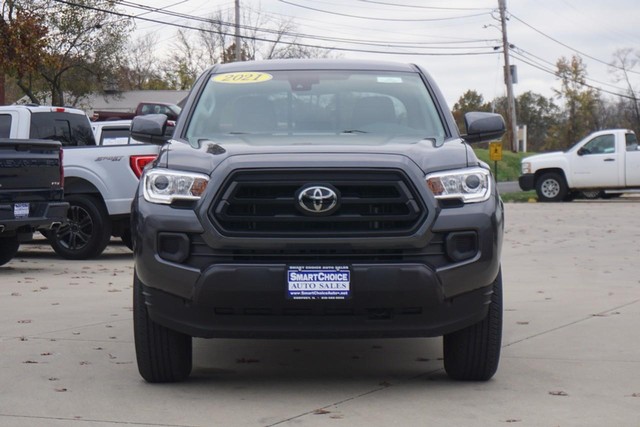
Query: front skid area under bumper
x,y
329,322
411,309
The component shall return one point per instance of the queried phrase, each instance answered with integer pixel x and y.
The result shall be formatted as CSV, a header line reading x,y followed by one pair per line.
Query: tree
x,y
539,114
24,39
187,61
85,45
80,53
262,38
469,101
140,70
581,104
625,61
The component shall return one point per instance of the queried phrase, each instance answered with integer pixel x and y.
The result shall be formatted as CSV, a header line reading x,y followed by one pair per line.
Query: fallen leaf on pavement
x,y
558,393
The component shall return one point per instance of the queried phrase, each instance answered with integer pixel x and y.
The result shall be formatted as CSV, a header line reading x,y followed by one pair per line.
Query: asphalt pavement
x,y
508,187
571,354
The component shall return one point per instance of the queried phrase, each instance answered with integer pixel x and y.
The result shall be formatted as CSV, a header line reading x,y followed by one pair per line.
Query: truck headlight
x,y
471,185
164,186
526,167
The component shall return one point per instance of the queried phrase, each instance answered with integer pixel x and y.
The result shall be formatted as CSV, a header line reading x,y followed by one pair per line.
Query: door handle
x,y
609,160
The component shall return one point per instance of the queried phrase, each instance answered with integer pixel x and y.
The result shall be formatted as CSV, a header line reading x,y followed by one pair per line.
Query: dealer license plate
x,y
21,210
313,282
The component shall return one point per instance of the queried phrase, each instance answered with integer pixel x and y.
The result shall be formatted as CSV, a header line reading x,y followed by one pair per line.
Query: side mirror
x,y
483,127
150,128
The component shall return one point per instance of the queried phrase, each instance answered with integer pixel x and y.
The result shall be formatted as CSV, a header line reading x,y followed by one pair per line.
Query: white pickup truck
x,y
604,163
99,181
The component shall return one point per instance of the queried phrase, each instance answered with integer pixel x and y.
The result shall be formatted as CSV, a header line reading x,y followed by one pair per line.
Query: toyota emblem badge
x,y
318,199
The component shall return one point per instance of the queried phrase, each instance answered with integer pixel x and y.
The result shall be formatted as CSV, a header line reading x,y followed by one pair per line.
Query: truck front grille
x,y
262,203
201,255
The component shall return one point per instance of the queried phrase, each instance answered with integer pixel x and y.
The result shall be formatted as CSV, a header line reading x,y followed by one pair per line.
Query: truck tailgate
x,y
33,165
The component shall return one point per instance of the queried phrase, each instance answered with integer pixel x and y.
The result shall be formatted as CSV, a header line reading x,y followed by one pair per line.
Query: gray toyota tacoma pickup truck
x,y
317,199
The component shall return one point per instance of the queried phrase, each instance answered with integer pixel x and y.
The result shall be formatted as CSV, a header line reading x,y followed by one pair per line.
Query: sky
x,y
459,42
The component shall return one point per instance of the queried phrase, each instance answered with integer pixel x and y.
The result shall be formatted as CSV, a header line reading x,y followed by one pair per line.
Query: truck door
x,y
632,161
597,164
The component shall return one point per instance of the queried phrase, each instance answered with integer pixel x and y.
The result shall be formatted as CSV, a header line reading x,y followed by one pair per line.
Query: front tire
x,y
551,187
163,355
473,353
8,249
87,231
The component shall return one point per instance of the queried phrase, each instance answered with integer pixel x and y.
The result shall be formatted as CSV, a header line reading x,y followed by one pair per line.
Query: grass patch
x,y
508,167
519,197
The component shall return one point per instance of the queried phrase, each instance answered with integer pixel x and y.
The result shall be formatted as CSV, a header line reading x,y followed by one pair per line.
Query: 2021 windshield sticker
x,y
242,78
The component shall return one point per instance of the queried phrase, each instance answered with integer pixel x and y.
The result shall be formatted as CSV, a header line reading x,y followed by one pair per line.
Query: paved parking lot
x,y
571,353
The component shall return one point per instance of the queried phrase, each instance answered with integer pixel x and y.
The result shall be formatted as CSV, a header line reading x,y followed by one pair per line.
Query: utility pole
x,y
512,129
238,48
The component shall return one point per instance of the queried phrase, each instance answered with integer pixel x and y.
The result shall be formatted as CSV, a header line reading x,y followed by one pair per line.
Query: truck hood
x,y
425,153
543,157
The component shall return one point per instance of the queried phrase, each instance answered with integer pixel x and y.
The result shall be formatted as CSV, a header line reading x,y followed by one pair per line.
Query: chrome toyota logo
x,y
318,199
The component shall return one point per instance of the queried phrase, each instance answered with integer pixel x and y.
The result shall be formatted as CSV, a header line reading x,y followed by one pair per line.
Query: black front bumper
x,y
408,309
527,182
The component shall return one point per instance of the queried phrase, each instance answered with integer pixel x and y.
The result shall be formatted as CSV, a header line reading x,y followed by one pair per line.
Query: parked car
x,y
31,189
314,199
99,181
604,163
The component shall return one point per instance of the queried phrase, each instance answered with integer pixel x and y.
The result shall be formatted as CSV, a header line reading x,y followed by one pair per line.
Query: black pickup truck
x,y
31,191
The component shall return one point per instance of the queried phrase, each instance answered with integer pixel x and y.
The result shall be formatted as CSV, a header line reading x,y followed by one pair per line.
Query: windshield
x,y
294,103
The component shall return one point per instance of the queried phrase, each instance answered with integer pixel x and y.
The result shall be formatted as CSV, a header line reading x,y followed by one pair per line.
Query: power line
x,y
529,54
380,43
396,45
546,70
399,45
571,48
351,26
380,19
343,49
425,7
